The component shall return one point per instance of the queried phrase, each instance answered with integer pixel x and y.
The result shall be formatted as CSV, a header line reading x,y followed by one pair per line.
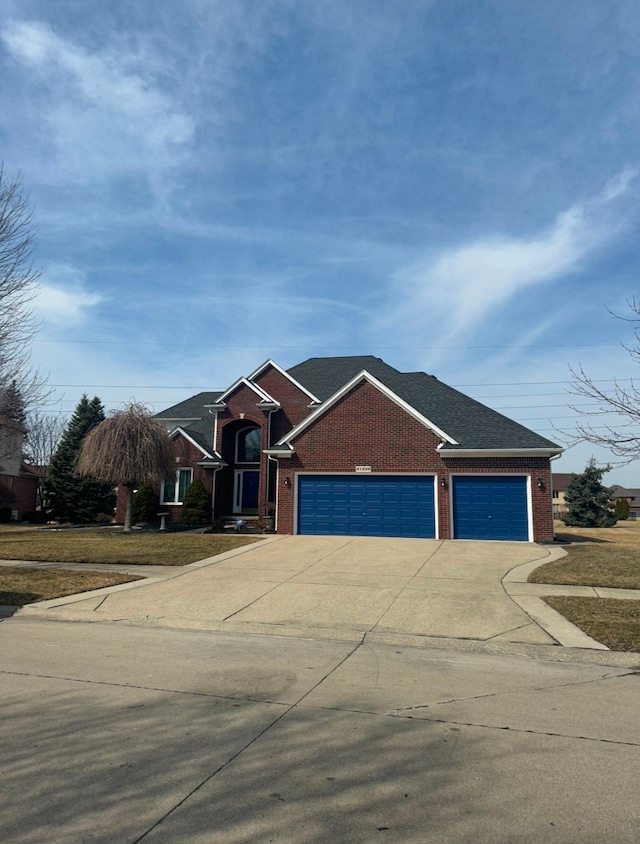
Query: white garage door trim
x,y
525,475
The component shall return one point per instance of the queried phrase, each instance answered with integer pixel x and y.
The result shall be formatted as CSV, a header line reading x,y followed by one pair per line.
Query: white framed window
x,y
248,445
173,489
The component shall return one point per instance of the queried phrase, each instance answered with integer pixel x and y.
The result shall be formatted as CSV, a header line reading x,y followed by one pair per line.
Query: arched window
x,y
248,445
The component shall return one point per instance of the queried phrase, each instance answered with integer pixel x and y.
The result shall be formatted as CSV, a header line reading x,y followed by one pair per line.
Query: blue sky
x,y
452,186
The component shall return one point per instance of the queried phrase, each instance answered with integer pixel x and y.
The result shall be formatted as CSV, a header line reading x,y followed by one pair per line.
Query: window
x,y
173,490
248,445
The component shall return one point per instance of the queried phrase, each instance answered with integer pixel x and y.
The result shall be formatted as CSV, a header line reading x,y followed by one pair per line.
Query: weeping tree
x,y
129,448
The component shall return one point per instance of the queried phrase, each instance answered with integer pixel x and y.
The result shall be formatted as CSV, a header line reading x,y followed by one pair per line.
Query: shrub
x,y
622,509
196,509
145,504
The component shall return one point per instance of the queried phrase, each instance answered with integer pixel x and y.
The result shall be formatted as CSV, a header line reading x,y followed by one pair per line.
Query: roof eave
x,y
443,451
276,451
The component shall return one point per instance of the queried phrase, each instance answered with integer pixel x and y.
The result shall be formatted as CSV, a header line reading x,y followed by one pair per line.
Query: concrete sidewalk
x,y
345,588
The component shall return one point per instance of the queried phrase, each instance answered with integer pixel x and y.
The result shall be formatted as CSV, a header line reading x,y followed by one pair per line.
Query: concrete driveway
x,y
143,732
345,588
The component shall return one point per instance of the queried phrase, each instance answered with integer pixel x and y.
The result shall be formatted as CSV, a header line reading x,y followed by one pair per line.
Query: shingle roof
x,y
324,376
198,422
624,492
193,407
561,480
471,424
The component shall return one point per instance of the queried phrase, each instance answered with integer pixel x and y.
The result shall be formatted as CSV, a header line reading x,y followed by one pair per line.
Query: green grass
x,y
615,623
19,586
112,546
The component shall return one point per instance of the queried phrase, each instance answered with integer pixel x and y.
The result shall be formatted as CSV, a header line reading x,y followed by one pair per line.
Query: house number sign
x,y
363,468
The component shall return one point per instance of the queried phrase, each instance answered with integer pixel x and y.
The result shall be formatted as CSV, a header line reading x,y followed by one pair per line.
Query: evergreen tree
x,y
12,403
145,504
196,509
588,501
68,497
622,509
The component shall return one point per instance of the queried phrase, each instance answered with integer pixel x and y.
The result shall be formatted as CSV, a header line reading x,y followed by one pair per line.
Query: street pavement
x,y
190,709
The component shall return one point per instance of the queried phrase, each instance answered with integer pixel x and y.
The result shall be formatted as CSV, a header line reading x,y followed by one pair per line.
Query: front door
x,y
245,495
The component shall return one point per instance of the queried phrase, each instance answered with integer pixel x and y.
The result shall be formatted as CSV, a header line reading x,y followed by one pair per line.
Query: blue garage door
x,y
490,508
366,505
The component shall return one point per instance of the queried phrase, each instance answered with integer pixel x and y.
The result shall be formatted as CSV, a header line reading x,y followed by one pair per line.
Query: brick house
x,y
19,482
632,496
352,446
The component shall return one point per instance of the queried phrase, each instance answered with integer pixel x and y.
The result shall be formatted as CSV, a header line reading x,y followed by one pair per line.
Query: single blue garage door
x,y
366,505
486,507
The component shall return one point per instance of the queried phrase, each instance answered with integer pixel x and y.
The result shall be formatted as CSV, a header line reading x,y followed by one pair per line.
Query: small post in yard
x,y
163,520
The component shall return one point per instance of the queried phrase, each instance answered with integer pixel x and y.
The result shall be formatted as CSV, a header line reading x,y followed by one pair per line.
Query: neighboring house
x,y
559,482
18,482
632,496
352,446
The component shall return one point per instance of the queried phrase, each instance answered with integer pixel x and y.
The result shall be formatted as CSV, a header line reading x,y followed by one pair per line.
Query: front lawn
x,y
607,557
19,586
599,557
615,623
110,545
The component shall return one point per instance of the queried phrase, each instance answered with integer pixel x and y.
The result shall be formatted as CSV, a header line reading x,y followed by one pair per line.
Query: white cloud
x,y
458,290
106,114
65,303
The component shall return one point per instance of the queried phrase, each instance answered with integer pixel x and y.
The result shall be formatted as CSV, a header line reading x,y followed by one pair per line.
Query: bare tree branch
x,y
44,431
18,287
622,439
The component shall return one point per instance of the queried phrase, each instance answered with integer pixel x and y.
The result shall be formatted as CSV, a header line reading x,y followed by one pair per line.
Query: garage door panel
x,y
486,507
366,506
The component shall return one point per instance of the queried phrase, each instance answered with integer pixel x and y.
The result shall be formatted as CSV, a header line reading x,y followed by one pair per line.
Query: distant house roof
x,y
618,491
560,480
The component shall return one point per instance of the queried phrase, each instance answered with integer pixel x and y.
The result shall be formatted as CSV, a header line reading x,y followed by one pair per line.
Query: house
x,y
18,482
632,496
559,483
350,445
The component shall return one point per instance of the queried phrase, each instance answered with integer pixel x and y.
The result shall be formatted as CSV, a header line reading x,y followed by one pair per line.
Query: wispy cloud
x,y
455,292
63,299
102,109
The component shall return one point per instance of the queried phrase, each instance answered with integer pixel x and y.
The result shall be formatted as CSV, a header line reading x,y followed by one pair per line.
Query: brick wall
x,y
25,491
295,402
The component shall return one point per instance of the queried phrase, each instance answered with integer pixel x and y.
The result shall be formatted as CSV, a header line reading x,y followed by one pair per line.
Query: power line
x,y
545,346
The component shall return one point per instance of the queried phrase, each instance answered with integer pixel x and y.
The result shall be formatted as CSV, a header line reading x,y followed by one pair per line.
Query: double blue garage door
x,y
483,506
366,505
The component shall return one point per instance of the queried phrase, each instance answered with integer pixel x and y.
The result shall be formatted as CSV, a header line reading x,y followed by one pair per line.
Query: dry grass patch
x,y
19,586
110,545
599,557
614,623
